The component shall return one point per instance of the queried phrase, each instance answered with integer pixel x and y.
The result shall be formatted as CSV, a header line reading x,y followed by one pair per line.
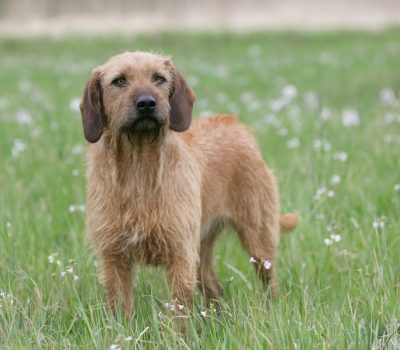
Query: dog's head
x,y
138,94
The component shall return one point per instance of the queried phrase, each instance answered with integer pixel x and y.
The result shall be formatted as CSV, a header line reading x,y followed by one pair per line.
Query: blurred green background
x,y
325,109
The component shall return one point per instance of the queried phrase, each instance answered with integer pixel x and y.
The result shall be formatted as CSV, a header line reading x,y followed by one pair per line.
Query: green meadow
x,y
325,109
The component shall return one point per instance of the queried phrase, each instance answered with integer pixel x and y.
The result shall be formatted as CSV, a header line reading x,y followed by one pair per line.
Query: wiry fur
x,y
164,202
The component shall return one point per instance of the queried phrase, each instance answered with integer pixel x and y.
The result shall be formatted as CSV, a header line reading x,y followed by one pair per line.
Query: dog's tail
x,y
288,222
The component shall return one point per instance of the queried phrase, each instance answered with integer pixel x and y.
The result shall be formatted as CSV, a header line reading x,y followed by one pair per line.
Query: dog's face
x,y
136,93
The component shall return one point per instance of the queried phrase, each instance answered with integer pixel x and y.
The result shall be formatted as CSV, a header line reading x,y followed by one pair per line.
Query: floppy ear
x,y
92,110
181,102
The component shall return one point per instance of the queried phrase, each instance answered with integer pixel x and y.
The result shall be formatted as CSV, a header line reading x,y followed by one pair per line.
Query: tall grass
x,y
325,109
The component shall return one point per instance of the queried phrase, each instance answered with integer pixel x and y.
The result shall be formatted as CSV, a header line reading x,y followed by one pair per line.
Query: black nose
x,y
146,103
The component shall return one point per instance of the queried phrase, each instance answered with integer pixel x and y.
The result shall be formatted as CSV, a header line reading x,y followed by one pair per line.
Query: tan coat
x,y
161,191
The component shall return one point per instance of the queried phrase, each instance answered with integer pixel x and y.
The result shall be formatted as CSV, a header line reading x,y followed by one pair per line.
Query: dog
x,y
161,187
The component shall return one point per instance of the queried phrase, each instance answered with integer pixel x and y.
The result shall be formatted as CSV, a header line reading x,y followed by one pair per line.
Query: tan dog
x,y
161,189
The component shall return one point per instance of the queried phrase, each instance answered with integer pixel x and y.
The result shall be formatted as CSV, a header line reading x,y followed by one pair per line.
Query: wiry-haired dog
x,y
161,188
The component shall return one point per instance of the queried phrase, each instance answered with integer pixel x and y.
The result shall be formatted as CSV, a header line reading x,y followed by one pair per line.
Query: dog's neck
x,y
139,162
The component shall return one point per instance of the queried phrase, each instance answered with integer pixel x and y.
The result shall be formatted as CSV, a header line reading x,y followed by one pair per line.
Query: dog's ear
x,y
181,102
92,110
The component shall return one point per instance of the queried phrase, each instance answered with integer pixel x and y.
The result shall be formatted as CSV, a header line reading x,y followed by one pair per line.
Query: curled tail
x,y
288,222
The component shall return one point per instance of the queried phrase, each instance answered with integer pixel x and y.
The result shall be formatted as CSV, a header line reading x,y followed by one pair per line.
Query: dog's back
x,y
233,170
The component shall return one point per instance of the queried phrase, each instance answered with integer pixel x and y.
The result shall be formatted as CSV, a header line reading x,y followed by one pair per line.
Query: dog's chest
x,y
143,209
142,231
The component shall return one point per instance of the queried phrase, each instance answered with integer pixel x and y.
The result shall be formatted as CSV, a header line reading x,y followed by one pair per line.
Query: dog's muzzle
x,y
146,118
146,123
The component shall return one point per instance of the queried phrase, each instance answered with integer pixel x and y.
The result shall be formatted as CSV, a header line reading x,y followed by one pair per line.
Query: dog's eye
x,y
120,82
159,79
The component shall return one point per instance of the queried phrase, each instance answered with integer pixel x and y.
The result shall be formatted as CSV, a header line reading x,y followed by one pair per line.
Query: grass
x,y
344,295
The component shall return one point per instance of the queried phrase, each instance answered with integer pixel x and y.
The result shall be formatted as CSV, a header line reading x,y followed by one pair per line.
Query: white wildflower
x,y
69,269
341,156
336,238
320,192
203,313
350,117
77,149
283,132
74,104
51,259
327,241
325,113
63,273
272,119
35,133
252,260
317,144
389,118
170,307
331,193
24,117
387,97
77,207
289,92
114,347
17,148
293,143
129,338
247,97
75,172
378,223
387,138
267,264
326,146
76,277
335,180
277,105
397,187
180,307
322,144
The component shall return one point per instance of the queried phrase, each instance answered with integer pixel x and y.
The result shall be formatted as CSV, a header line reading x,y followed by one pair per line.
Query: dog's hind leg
x,y
260,240
256,216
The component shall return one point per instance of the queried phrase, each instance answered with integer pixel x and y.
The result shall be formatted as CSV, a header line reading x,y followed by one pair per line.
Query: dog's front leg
x,y
182,281
181,276
117,278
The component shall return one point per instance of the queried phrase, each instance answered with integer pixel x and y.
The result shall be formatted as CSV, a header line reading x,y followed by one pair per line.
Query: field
x,y
325,108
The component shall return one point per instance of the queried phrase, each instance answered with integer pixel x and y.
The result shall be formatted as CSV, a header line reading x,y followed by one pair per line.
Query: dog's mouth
x,y
145,124
145,129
